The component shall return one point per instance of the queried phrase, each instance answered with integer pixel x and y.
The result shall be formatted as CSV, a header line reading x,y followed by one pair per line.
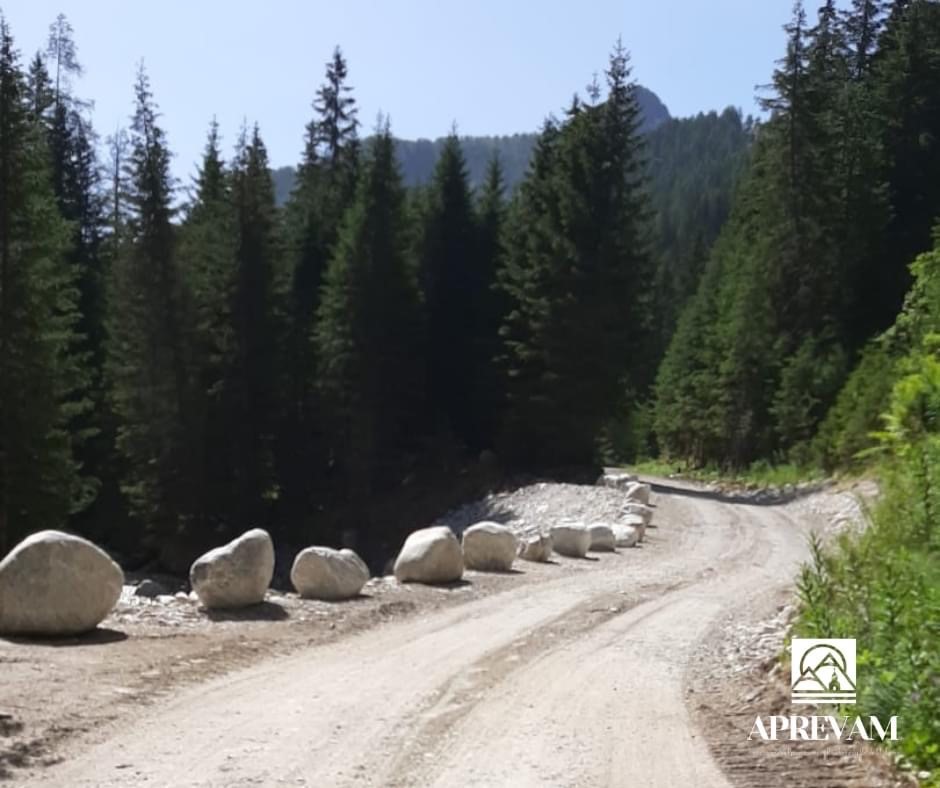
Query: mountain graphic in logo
x,y
823,671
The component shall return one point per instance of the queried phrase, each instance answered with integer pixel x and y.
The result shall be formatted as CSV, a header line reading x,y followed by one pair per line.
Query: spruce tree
x,y
578,251
905,77
77,183
454,285
40,380
249,386
487,392
207,252
368,332
324,187
863,24
149,327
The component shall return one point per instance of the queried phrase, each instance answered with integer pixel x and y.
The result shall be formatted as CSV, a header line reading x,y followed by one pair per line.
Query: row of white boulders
x,y
489,547
56,584
536,547
571,539
237,574
328,574
431,555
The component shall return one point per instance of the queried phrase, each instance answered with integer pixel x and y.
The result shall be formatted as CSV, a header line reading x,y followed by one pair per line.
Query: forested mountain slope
x,y
418,157
842,193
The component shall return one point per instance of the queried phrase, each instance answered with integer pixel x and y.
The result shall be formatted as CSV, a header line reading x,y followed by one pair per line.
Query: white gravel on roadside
x,y
537,507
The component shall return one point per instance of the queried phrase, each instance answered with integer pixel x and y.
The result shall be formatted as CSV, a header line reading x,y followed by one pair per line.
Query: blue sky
x,y
491,67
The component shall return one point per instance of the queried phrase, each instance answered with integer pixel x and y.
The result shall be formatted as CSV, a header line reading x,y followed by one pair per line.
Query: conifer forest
x,y
350,346
181,359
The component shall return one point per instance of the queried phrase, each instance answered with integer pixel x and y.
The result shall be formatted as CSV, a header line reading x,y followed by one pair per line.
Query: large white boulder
x,y
624,535
535,547
431,555
237,574
325,573
571,539
638,492
602,538
619,480
636,522
490,547
53,583
641,509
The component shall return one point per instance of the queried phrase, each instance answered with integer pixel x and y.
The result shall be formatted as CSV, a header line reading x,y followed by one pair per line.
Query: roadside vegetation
x,y
733,297
758,474
882,586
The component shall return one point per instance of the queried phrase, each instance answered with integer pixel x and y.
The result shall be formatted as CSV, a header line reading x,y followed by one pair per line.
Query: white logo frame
x,y
823,671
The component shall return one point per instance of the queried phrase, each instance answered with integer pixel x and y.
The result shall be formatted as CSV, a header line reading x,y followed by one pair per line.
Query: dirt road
x,y
574,681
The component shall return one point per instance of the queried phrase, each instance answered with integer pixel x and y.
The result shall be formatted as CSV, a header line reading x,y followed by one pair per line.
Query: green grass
x,y
760,474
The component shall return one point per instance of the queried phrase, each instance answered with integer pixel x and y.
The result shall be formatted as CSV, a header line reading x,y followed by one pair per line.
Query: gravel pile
x,y
538,507
182,609
839,511
746,646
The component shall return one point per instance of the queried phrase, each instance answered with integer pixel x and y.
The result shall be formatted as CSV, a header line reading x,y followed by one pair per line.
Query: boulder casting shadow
x,y
263,611
96,637
512,571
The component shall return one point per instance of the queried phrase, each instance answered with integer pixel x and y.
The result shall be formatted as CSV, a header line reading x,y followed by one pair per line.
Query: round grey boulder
x,y
641,509
602,538
638,492
624,535
489,547
619,480
638,524
237,574
431,555
328,574
572,540
536,547
56,584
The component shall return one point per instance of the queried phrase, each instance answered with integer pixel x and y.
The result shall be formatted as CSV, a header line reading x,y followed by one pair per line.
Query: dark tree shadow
x,y
96,637
264,611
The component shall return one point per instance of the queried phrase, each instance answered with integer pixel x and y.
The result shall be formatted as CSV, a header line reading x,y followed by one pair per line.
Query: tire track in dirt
x,y
577,681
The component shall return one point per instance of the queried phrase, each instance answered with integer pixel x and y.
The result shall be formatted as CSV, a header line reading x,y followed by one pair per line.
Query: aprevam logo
x,y
823,671
823,674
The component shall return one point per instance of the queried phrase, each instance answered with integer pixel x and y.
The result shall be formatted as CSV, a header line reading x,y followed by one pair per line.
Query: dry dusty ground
x,y
640,668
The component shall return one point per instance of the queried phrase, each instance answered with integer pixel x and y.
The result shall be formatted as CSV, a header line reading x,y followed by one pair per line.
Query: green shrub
x,y
883,587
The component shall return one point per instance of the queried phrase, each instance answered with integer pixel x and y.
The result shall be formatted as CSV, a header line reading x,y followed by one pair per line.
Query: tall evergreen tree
x,y
40,483
148,331
454,285
577,253
207,252
368,331
863,24
324,188
250,385
905,77
487,392
76,181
